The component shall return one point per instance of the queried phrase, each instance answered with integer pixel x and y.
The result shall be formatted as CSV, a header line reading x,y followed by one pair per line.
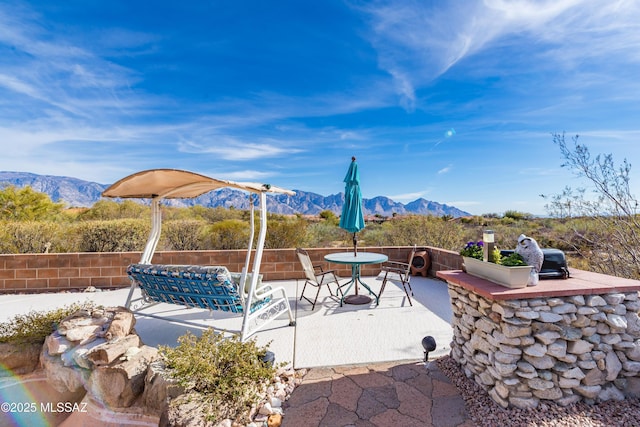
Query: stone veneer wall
x,y
65,271
565,349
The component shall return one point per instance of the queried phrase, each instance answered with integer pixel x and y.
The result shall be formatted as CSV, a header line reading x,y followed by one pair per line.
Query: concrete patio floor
x,y
328,336
365,360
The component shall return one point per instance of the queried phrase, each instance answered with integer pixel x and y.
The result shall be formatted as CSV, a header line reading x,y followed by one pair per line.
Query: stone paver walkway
x,y
387,394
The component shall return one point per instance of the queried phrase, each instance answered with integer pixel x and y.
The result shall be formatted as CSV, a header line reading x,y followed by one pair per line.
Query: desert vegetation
x,y
597,226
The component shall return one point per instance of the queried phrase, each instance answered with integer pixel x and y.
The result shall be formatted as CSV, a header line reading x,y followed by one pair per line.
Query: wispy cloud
x,y
410,196
419,41
234,150
444,170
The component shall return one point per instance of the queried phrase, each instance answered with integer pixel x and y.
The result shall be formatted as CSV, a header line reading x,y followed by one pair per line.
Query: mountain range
x,y
75,192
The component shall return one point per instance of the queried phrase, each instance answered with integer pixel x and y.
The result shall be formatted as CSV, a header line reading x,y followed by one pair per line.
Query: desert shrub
x,y
609,240
228,375
202,213
322,234
424,231
229,234
35,326
184,235
517,215
372,235
285,233
24,237
329,217
26,204
123,235
109,210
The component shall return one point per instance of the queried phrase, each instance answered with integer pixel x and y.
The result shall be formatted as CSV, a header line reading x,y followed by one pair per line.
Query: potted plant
x,y
510,271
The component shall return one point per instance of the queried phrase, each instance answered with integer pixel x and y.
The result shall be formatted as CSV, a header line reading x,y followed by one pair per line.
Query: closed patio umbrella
x,y
352,218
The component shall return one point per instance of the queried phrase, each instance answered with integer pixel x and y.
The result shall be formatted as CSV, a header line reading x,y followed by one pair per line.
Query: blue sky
x,y
451,101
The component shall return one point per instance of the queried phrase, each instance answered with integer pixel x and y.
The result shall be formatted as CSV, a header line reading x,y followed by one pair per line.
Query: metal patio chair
x,y
316,277
400,273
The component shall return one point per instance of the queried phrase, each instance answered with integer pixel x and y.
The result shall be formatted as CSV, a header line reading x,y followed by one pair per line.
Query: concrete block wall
x,y
32,273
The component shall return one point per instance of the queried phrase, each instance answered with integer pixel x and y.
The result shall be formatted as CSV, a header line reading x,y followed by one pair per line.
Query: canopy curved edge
x,y
177,183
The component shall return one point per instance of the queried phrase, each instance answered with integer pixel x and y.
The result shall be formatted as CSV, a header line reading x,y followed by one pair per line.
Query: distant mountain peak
x,y
75,192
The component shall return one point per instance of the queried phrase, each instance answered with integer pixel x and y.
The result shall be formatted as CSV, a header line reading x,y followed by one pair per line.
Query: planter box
x,y
511,277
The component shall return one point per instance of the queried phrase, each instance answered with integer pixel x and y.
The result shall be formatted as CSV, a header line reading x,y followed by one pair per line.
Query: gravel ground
x,y
485,412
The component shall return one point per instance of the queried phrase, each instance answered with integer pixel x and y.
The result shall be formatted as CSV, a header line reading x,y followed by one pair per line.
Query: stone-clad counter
x,y
562,340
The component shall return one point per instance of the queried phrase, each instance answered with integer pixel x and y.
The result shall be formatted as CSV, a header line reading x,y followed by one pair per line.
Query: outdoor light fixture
x,y
488,244
269,358
429,344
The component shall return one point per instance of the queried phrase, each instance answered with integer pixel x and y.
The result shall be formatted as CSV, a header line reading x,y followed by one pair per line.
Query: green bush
x,y
26,204
228,375
124,235
424,231
35,326
229,234
23,237
329,217
322,234
285,233
108,210
184,234
517,215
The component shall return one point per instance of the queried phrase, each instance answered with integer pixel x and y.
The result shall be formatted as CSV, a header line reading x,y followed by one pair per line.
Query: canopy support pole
x,y
152,242
256,263
247,261
154,236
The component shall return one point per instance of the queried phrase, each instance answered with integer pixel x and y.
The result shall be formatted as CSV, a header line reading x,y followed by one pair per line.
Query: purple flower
x,y
480,243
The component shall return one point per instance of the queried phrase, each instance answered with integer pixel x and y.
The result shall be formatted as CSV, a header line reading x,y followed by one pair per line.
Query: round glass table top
x,y
360,258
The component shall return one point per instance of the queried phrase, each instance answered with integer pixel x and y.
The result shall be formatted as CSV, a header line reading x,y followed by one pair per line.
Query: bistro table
x,y
356,260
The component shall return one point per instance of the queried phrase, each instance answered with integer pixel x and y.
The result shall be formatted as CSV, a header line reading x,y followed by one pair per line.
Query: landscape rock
x,y
110,351
62,378
120,383
577,348
21,358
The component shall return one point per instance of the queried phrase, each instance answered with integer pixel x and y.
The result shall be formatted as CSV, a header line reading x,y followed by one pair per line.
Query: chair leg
x,y
303,288
404,286
313,306
384,284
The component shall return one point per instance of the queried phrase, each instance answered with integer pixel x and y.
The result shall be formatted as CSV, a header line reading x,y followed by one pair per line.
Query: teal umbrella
x,y
352,218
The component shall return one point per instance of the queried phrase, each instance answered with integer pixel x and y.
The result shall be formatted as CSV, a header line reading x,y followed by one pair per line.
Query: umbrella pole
x,y
355,245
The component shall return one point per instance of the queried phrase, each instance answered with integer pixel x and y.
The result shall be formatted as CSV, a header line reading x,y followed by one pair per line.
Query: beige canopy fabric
x,y
175,183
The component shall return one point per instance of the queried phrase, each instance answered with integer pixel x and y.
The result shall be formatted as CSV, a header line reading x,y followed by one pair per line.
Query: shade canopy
x,y
352,218
175,183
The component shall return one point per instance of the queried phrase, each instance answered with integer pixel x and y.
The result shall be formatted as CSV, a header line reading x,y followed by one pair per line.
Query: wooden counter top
x,y
580,283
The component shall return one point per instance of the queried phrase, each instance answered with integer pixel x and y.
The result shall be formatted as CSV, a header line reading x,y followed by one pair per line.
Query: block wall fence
x,y
34,273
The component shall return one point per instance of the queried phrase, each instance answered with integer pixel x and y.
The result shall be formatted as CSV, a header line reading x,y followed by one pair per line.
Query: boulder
x,y
120,383
121,325
108,352
20,359
62,378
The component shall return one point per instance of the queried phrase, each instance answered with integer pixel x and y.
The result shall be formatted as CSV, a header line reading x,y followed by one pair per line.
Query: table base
x,y
357,299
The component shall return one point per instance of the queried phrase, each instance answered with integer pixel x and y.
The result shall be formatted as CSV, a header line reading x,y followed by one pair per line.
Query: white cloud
x,y
410,196
228,149
419,41
444,170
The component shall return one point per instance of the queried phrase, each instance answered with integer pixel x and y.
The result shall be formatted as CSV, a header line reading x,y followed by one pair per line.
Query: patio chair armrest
x,y
395,265
328,272
396,262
